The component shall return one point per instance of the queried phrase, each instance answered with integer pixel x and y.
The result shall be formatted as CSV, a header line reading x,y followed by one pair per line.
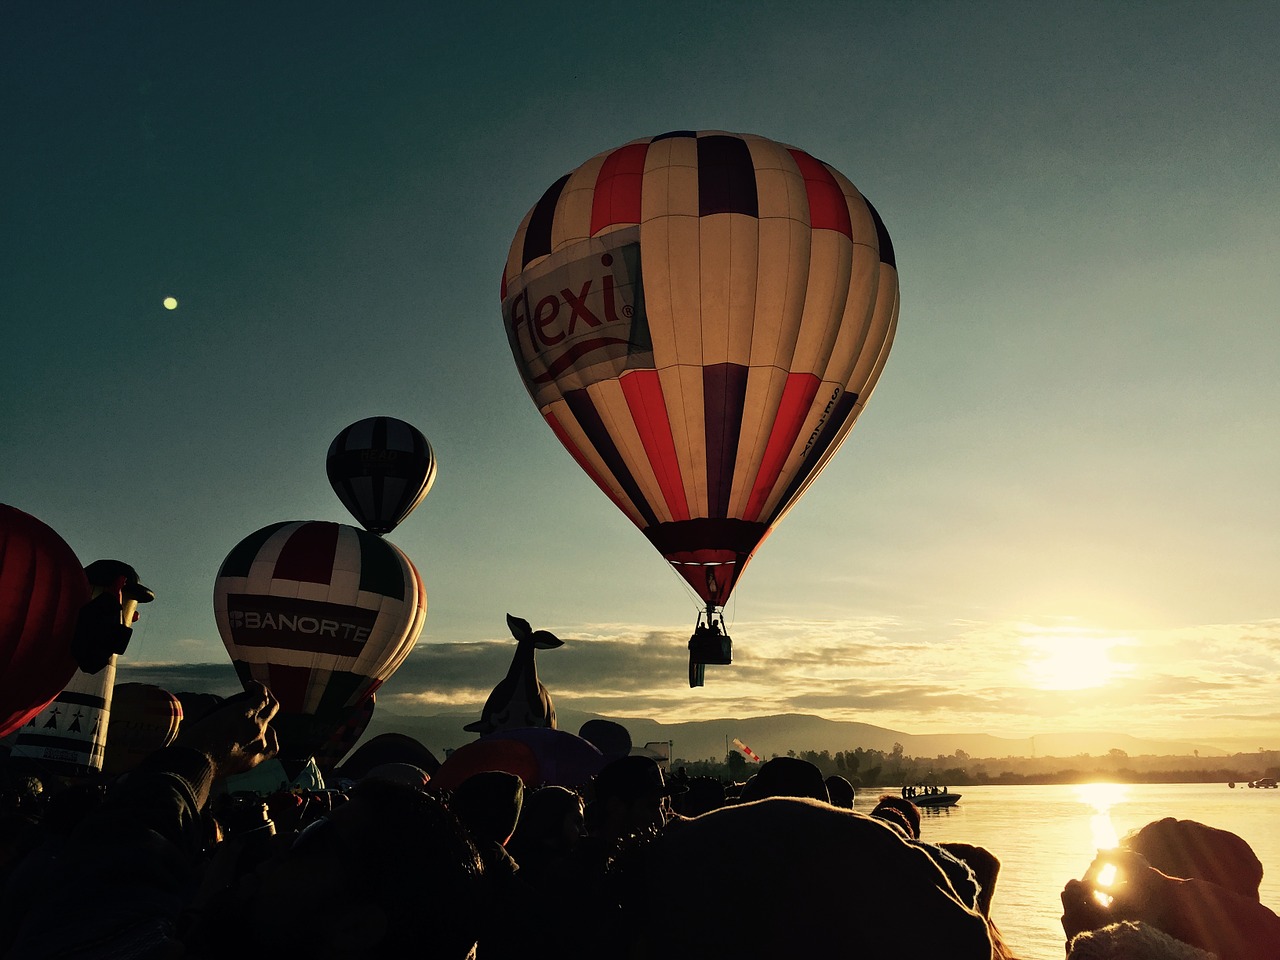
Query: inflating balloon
x,y
144,719
388,748
700,318
509,756
42,588
381,468
563,759
321,613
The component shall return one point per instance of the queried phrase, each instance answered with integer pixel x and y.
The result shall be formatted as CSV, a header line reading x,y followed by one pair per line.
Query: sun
x,y
1072,658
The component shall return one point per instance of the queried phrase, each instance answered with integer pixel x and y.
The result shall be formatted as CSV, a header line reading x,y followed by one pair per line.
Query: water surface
x,y
1045,835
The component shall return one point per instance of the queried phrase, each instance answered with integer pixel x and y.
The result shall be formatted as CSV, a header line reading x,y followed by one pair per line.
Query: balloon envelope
x,y
388,748
479,756
700,318
321,613
563,759
144,719
381,468
339,743
42,588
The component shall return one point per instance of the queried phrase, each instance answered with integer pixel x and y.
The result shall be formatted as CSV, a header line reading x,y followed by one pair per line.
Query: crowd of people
x,y
163,863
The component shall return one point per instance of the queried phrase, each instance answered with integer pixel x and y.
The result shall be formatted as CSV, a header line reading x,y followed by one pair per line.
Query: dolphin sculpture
x,y
520,699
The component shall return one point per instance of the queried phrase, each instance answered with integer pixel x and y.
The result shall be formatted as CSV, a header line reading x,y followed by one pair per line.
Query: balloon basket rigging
x,y
710,644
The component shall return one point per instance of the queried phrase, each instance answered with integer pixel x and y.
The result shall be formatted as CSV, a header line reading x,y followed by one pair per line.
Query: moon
x,y
171,303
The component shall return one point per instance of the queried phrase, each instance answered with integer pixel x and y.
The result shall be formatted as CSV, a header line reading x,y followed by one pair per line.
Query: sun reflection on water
x,y
1102,797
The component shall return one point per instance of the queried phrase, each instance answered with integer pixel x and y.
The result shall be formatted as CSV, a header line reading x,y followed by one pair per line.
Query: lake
x,y
1046,835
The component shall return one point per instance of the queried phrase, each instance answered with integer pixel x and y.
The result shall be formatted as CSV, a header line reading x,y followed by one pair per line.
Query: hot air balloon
x,y
144,719
700,318
42,588
322,613
381,468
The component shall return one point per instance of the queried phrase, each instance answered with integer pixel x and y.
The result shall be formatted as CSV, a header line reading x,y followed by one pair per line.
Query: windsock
x,y
750,754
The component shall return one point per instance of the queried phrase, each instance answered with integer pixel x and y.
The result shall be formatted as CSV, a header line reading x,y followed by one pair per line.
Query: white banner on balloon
x,y
69,736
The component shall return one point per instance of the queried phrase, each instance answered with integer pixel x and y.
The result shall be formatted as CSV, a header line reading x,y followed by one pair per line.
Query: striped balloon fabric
x,y
322,613
381,468
700,318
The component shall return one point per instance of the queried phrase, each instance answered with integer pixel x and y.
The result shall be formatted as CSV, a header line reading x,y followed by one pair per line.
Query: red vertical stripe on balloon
x,y
617,194
307,555
827,207
797,398
563,436
643,391
827,433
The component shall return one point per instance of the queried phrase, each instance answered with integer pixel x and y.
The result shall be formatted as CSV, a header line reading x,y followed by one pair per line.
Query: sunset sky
x,y
1061,510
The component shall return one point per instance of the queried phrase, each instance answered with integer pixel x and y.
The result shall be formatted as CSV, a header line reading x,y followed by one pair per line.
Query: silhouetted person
x,y
812,864
630,798
349,885
840,791
786,777
1195,883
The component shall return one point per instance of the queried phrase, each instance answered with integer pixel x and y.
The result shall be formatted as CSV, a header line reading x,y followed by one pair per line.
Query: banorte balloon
x,y
42,588
321,613
700,318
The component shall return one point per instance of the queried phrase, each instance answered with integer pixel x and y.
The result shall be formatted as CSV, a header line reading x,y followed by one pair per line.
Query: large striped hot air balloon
x,y
700,318
381,468
322,613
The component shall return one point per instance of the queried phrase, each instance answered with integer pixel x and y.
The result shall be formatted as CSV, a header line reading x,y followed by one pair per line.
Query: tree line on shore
x,y
868,768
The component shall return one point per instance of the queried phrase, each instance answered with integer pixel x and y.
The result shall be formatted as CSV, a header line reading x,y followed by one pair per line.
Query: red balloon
x,y
42,588
509,756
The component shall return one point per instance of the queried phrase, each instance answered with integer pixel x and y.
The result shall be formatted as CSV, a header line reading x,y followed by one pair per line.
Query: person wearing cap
x,y
630,799
105,623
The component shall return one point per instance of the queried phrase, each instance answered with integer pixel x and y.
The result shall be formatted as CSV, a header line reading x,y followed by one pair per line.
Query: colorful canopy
x,y
322,613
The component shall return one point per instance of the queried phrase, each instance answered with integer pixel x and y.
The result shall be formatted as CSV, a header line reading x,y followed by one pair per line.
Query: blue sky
x,y
1067,472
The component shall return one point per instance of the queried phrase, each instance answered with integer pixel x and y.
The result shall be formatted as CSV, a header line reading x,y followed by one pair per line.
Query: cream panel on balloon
x,y
572,221
716,257
765,387
689,431
825,294
573,430
782,281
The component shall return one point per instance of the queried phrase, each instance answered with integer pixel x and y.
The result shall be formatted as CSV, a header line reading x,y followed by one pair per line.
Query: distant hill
x,y
702,739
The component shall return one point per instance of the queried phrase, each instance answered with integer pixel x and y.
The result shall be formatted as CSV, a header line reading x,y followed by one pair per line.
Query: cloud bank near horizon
x,y
1003,678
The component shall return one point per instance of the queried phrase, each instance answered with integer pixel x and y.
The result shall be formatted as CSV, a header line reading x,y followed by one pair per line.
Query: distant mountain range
x,y
703,739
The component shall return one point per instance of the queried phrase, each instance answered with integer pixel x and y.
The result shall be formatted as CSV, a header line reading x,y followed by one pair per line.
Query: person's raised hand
x,y
1119,885
237,734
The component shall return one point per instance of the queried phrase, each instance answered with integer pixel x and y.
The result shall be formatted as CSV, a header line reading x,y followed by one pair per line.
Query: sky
x,y
1058,512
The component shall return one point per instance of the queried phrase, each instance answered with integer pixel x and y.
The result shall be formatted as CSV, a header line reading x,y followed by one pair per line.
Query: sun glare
x,y
1102,797
1071,659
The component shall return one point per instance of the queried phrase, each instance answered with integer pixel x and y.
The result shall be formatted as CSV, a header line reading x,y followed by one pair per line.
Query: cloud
x,y
219,678
920,677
